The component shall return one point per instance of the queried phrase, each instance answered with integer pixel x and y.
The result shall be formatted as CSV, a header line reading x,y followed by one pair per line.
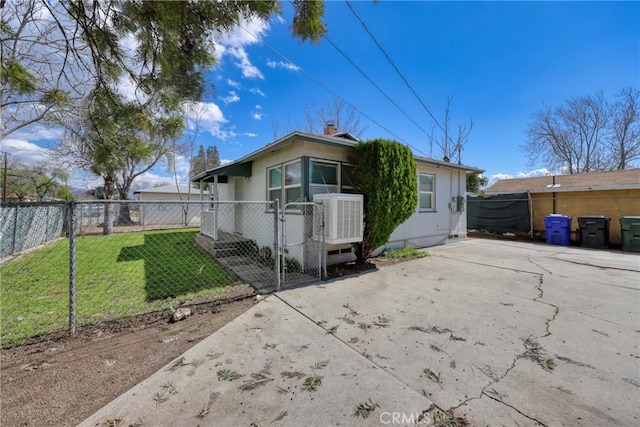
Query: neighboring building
x,y
612,194
169,213
300,165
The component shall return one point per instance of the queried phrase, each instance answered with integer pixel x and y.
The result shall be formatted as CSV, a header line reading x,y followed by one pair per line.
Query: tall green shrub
x,y
385,173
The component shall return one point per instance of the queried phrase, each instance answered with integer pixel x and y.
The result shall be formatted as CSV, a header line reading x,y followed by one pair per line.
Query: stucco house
x,y
301,165
169,213
611,194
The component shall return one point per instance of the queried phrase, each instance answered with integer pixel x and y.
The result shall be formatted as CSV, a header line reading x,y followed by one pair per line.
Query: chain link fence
x,y
525,216
303,246
68,264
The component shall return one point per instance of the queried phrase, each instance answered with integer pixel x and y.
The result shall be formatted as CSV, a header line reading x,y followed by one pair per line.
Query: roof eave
x,y
570,189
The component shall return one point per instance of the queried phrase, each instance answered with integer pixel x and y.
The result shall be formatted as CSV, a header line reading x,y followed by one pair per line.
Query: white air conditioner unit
x,y
343,218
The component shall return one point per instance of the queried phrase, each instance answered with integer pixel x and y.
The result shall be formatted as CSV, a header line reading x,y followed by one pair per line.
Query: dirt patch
x,y
55,380
62,381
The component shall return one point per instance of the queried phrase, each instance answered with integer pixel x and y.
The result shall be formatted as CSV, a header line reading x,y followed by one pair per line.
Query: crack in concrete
x,y
485,264
538,265
522,355
517,410
493,382
537,299
603,267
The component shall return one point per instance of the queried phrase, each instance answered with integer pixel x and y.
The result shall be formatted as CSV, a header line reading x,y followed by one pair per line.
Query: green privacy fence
x,y
26,226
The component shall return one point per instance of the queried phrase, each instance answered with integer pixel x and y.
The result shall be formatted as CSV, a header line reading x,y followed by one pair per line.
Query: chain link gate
x,y
302,252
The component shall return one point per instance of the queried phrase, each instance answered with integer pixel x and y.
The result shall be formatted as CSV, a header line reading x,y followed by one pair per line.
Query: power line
x,y
396,68
374,84
318,82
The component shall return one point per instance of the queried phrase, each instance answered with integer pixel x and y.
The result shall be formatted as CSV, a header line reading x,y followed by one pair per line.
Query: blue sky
x,y
500,61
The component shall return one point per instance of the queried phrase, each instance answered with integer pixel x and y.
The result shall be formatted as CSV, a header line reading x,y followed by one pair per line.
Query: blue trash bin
x,y
558,229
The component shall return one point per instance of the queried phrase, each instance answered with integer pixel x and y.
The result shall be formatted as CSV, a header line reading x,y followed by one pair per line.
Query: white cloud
x,y
208,117
80,179
247,33
25,152
150,179
257,91
537,172
256,116
127,88
249,70
231,98
38,132
233,83
282,64
250,134
30,154
233,44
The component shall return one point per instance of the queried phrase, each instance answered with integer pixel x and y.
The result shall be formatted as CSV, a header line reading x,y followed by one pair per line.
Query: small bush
x,y
385,173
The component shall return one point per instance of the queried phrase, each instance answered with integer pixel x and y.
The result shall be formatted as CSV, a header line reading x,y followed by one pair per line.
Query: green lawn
x,y
117,276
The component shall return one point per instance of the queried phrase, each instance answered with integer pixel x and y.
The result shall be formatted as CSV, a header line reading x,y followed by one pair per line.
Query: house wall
x,y
255,188
225,191
431,228
612,204
422,229
168,214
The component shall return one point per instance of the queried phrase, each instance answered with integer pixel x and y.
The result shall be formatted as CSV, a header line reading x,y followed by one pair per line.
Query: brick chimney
x,y
330,129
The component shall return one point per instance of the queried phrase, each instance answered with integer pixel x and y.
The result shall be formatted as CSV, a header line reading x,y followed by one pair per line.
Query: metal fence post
x,y
276,247
72,270
324,243
15,230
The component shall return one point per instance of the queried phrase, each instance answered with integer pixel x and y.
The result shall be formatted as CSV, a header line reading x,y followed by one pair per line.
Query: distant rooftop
x,y
614,180
170,189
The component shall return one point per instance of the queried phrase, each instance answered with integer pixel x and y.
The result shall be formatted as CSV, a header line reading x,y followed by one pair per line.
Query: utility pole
x,y
4,176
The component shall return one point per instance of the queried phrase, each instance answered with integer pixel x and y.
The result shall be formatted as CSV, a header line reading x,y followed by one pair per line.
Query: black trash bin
x,y
630,228
594,231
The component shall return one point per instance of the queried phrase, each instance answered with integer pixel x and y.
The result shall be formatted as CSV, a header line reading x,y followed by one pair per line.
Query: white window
x,y
287,186
274,183
293,182
426,192
323,177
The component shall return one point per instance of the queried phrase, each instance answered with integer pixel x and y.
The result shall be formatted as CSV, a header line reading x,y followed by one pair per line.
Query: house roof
x,y
242,166
614,180
169,189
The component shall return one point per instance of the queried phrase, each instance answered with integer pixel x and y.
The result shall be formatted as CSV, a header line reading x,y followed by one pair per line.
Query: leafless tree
x,y
344,117
316,117
570,137
448,142
624,141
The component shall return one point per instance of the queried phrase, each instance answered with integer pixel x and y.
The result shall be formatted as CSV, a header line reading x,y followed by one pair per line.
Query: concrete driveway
x,y
493,332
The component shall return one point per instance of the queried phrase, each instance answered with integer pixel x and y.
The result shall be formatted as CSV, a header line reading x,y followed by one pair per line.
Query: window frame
x,y
431,193
283,187
269,188
286,187
311,184
350,189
